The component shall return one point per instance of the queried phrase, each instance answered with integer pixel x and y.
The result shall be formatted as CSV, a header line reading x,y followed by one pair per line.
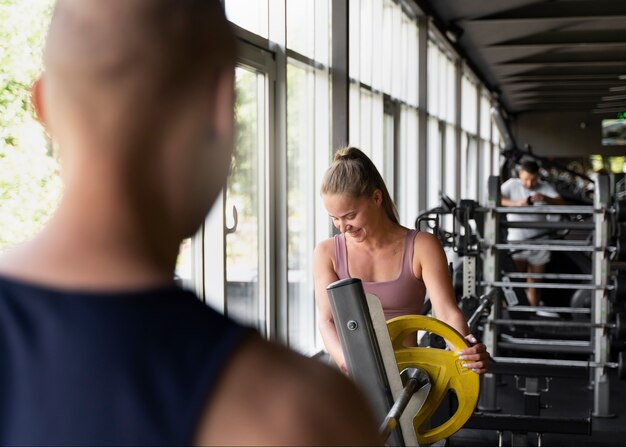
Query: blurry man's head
x,y
529,174
148,84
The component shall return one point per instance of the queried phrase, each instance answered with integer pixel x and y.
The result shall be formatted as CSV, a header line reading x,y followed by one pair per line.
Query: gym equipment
x,y
618,329
372,368
620,210
599,284
554,368
377,366
413,379
444,368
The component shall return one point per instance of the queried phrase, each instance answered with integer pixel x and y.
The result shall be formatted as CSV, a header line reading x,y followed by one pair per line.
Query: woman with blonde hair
x,y
395,263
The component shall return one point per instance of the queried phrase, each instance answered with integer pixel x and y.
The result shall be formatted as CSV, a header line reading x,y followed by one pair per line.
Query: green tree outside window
x,y
29,181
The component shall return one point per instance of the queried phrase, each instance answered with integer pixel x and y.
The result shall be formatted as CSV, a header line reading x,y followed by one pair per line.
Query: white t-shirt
x,y
513,189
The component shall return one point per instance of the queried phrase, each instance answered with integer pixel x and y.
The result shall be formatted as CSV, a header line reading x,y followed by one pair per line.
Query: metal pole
x,y
416,379
491,273
600,305
552,246
542,323
548,209
486,301
546,285
570,310
580,276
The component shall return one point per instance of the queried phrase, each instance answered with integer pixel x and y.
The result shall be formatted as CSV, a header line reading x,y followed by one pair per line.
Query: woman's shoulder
x,y
425,241
424,237
325,248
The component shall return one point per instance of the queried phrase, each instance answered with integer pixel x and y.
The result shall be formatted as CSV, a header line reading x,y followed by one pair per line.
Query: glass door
x,y
244,202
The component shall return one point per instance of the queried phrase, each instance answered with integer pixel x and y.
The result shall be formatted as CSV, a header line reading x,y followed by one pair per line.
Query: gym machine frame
x,y
417,378
359,341
600,305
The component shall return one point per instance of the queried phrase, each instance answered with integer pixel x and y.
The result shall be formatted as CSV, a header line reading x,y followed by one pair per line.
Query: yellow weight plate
x,y
444,369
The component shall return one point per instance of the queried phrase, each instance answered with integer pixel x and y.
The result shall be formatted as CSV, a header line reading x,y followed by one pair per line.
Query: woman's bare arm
x,y
324,274
433,264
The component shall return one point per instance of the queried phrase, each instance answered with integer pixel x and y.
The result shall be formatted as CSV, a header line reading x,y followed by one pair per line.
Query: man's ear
x,y
223,109
36,97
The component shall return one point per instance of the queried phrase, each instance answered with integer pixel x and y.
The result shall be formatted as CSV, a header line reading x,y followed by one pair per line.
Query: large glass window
x,y
434,162
496,140
308,29
485,156
485,118
384,67
249,14
469,107
495,147
307,148
245,203
408,172
442,114
450,162
308,156
469,163
388,150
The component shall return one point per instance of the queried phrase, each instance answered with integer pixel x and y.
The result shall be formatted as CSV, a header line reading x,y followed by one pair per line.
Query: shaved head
x,y
121,60
138,95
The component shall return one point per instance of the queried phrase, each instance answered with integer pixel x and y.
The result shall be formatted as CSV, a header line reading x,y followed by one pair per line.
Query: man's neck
x,y
95,243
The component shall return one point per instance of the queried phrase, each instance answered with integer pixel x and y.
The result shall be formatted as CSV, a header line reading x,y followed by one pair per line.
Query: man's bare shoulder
x,y
269,395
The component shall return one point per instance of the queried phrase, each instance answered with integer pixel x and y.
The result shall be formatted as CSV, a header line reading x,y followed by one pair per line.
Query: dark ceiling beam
x,y
567,77
557,94
570,57
612,63
608,71
608,105
608,111
557,44
561,20
564,89
551,108
580,101
582,9
591,34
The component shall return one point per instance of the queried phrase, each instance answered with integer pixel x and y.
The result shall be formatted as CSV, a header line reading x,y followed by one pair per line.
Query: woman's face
x,y
352,216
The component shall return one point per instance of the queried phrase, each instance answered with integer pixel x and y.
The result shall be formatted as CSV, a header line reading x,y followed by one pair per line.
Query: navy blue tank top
x,y
96,368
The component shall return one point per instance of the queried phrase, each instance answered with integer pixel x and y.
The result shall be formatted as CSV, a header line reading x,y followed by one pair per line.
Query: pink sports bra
x,y
401,296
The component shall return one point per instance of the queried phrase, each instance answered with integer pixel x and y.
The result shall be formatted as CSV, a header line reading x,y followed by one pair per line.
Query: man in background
x,y
529,190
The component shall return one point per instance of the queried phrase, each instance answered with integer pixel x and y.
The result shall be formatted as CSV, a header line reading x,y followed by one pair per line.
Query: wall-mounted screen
x,y
614,132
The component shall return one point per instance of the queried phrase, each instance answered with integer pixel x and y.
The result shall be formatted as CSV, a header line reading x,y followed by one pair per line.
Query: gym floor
x,y
566,398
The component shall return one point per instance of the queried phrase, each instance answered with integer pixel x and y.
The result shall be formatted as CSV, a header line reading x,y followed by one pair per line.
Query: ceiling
x,y
541,55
